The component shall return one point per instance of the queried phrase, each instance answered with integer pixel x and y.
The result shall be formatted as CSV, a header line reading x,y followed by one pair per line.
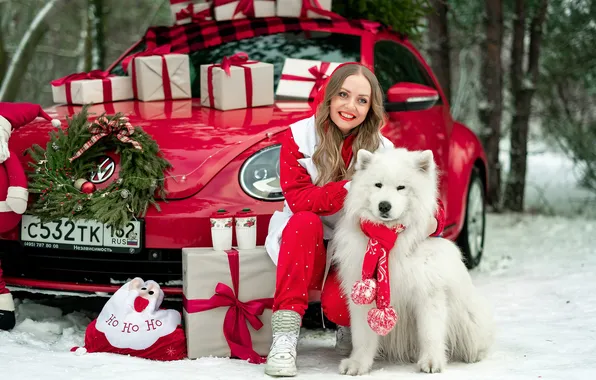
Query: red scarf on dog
x,y
374,285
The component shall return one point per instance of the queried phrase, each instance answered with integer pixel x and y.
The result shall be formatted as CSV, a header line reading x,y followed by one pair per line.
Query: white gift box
x,y
203,269
87,91
148,74
183,11
231,92
297,80
293,8
262,8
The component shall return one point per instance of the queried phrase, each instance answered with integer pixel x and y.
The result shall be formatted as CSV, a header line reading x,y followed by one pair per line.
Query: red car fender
x,y
465,153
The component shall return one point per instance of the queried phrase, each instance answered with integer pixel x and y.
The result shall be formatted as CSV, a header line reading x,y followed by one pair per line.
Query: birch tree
x,y
19,63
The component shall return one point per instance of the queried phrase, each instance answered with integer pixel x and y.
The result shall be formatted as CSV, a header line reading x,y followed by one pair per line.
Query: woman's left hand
x,y
432,226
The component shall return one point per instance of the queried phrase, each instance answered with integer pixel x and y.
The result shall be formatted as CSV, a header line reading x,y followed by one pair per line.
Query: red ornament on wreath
x,y
84,186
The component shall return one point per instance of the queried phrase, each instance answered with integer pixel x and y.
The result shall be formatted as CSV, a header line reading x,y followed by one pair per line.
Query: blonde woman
x,y
316,164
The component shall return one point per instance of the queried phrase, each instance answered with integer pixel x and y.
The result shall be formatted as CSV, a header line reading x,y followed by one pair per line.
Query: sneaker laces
x,y
284,342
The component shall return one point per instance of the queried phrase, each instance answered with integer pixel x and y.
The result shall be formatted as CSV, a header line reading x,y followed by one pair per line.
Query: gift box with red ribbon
x,y
158,74
227,301
305,9
233,83
96,86
234,9
185,12
302,78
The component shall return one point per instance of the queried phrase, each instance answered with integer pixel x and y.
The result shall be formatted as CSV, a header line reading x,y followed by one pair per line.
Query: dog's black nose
x,y
384,207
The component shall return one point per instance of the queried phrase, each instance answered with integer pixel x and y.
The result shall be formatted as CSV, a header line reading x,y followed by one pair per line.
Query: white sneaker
x,y
281,360
343,340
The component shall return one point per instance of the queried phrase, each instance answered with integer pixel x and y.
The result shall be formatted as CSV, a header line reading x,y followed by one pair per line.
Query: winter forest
x,y
520,73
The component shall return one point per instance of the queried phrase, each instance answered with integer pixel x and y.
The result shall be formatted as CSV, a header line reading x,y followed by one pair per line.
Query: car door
x,y
419,129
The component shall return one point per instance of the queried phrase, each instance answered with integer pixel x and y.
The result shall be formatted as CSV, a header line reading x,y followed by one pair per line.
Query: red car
x,y
230,159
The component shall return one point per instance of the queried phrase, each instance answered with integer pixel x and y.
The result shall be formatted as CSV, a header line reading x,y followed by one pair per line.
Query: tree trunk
x,y
492,108
96,19
22,57
523,89
438,35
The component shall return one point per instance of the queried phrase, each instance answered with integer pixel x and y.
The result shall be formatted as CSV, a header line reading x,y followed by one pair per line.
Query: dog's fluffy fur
x,y
442,317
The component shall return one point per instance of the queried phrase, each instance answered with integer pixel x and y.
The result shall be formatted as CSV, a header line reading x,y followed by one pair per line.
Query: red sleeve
x,y
298,189
440,216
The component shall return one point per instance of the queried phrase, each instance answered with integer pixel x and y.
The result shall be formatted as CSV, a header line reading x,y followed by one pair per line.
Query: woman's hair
x,y
327,156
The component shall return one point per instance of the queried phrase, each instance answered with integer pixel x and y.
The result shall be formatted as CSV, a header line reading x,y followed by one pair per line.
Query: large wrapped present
x,y
184,11
305,9
174,109
243,116
302,78
233,83
233,9
228,296
158,74
96,86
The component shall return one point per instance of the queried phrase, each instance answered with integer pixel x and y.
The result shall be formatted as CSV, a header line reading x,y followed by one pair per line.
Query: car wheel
x,y
471,237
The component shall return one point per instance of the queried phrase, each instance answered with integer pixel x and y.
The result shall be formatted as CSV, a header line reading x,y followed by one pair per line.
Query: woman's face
x,y
350,105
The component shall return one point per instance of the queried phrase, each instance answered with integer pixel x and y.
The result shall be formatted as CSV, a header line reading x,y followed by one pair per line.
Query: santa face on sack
x,y
132,319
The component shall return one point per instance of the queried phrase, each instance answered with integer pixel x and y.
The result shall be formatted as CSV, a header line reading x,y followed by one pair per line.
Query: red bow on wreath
x,y
103,127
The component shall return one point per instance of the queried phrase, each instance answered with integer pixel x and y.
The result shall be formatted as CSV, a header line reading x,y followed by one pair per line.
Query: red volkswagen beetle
x,y
230,159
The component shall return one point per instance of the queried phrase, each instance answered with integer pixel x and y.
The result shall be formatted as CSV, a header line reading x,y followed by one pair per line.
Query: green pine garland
x,y
53,176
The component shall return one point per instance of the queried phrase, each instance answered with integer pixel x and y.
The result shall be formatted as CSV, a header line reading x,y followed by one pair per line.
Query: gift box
x,y
161,77
227,301
184,11
232,84
175,109
305,8
302,78
231,9
244,116
94,87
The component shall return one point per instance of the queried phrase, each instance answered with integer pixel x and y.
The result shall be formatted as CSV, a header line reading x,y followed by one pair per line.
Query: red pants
x,y
3,289
301,267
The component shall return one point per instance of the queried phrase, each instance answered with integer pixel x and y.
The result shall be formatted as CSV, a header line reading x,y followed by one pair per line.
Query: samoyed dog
x,y
441,316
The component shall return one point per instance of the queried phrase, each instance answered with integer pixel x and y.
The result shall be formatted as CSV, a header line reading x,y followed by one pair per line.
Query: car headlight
x,y
259,175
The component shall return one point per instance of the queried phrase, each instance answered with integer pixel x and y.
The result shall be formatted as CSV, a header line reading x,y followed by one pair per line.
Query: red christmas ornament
x,y
88,187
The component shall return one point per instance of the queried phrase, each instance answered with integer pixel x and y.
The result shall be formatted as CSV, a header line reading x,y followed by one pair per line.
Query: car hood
x,y
198,141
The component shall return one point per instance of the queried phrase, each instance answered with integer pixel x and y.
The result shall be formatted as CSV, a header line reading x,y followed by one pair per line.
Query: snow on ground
x,y
538,271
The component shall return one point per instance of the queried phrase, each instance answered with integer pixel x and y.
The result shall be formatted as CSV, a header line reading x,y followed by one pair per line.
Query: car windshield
x,y
274,49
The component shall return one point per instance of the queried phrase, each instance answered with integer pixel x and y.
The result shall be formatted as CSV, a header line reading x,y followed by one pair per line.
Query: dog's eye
x,y
379,185
400,187
151,292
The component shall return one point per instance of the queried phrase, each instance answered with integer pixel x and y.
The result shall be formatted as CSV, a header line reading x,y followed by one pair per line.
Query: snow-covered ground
x,y
538,271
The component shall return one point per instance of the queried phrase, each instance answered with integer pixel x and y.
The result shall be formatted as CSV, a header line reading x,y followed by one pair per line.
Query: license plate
x,y
81,235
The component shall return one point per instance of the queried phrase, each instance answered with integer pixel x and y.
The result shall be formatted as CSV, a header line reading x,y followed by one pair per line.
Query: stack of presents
x,y
227,291
162,74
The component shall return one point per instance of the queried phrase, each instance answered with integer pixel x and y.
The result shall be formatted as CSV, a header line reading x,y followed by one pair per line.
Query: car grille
x,y
163,266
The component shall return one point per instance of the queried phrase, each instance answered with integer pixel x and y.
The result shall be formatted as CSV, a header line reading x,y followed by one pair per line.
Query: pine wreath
x,y
74,155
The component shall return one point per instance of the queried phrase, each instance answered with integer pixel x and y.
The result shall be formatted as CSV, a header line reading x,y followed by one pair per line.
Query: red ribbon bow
x,y
235,328
319,75
189,12
103,127
165,76
94,74
240,60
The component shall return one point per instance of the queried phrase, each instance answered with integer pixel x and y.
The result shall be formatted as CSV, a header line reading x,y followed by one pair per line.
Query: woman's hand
x,y
432,226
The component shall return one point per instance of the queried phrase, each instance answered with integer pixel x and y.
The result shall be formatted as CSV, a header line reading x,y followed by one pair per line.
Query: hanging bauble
x,y
88,187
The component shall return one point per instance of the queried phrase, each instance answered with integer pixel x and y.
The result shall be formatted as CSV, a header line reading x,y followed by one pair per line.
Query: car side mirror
x,y
406,96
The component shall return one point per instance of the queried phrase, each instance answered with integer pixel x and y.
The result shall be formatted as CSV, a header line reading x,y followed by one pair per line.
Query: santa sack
x,y
131,323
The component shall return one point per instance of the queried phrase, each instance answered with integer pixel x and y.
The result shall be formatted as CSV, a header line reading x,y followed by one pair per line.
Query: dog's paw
x,y
354,367
431,363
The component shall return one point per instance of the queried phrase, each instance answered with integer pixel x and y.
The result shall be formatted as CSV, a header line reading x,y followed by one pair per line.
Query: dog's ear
x,y
363,159
425,161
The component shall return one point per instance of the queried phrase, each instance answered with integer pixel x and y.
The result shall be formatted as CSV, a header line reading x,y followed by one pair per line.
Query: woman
x,y
316,164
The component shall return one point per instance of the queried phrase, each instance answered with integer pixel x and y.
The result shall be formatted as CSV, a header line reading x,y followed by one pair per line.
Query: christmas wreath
x,y
59,171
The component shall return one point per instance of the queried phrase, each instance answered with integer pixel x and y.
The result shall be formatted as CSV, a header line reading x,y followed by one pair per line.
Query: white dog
x,y
441,316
